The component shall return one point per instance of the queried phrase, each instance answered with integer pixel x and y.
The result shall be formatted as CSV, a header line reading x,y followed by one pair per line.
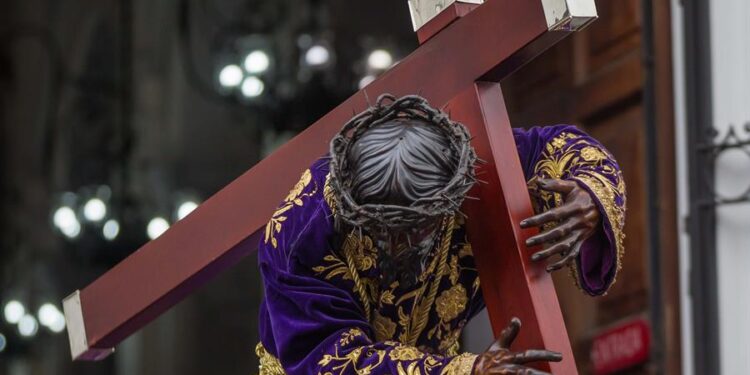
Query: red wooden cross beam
x,y
466,49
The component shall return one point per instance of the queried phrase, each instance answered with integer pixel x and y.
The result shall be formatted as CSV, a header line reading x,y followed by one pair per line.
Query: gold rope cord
x,y
358,285
423,308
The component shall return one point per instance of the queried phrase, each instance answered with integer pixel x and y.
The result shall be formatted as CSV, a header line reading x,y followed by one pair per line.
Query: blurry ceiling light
x,y
111,229
51,317
185,209
317,55
380,59
72,231
14,311
252,87
65,219
257,62
366,80
156,227
48,314
230,76
95,209
28,326
3,342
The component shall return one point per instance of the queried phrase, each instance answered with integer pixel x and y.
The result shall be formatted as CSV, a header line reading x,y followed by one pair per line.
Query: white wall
x,y
730,51
730,54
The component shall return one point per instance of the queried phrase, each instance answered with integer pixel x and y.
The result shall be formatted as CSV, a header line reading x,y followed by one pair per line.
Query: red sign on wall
x,y
620,347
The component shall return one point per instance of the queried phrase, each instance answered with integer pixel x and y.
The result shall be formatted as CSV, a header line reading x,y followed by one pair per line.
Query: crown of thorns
x,y
397,217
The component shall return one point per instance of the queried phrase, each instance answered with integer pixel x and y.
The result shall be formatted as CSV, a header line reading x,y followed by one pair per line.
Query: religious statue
x,y
366,266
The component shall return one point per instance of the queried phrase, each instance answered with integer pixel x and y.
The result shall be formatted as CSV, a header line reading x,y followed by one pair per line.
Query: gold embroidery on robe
x,y
460,365
384,327
294,198
451,302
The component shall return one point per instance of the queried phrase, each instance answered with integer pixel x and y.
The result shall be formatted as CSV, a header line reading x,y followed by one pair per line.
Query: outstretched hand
x,y
578,217
499,359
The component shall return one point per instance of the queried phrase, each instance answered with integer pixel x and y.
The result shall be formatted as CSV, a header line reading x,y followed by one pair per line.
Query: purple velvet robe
x,y
326,310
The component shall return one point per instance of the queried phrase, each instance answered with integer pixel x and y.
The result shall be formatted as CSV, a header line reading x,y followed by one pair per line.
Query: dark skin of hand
x,y
578,218
499,359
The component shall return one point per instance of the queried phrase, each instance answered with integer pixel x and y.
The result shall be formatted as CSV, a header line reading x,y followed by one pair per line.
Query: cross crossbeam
x,y
487,44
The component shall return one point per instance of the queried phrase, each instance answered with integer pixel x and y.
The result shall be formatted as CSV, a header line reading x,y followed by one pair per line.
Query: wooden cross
x,y
466,49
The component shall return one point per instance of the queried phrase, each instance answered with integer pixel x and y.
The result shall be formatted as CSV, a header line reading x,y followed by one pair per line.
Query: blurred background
x,y
119,117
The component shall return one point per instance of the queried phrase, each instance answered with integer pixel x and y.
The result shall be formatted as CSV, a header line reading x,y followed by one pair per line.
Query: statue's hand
x,y
578,218
499,359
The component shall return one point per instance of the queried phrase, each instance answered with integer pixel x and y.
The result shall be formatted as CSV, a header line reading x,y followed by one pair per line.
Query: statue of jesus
x,y
366,266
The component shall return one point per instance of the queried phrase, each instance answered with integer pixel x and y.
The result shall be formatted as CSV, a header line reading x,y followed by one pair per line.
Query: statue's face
x,y
419,240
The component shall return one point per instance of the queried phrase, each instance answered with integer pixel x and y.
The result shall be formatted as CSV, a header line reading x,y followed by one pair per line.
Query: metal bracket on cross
x,y
467,47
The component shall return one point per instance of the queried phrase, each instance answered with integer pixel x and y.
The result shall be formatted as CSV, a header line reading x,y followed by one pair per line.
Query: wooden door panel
x,y
617,33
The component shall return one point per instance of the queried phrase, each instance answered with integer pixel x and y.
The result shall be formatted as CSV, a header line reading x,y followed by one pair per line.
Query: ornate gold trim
x,y
269,365
460,365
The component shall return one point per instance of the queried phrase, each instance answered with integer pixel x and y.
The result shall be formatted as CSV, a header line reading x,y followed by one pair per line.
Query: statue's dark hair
x,y
400,161
443,175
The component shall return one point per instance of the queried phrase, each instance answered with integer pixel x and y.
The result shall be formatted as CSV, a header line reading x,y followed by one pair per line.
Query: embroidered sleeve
x,y
565,152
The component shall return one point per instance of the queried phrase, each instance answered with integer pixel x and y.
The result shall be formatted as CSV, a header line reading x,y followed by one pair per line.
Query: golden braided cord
x,y
423,308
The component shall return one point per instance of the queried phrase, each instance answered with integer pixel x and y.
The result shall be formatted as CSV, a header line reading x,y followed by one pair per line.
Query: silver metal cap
x,y
79,346
569,15
422,11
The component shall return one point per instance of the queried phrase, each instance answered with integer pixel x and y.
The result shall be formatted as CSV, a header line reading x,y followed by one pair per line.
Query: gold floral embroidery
x,y
558,143
460,365
350,335
341,364
405,353
386,297
328,194
362,251
451,303
453,270
334,267
385,328
450,342
269,365
592,154
294,198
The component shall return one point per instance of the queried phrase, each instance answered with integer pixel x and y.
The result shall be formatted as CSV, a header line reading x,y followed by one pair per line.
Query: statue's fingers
x,y
557,185
553,234
554,214
568,258
534,355
560,247
509,333
592,217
